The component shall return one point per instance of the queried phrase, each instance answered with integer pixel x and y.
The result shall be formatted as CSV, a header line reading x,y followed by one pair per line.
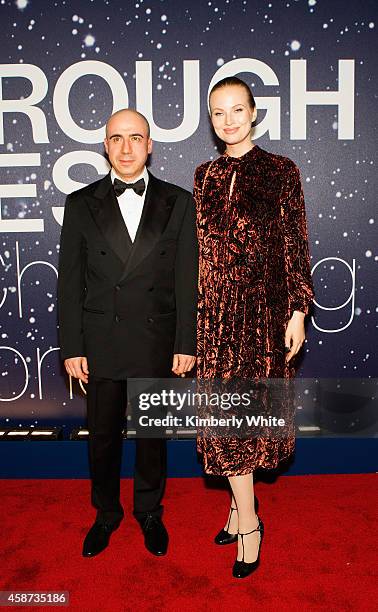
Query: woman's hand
x,y
295,334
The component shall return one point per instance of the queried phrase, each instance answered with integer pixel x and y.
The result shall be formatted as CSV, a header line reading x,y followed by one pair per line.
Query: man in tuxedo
x,y
127,300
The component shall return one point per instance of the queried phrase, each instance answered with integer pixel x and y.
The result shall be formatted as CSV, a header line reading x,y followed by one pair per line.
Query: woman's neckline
x,y
244,156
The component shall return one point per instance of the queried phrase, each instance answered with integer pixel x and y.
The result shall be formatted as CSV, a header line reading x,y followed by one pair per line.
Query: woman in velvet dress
x,y
255,289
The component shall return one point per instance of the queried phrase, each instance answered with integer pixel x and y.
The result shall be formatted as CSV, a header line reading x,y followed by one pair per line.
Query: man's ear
x,y
106,145
149,149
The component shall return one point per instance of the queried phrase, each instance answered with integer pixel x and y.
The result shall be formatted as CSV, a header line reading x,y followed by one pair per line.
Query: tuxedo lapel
x,y
155,216
108,218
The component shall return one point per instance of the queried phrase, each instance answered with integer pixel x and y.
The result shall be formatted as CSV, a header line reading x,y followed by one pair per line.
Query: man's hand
x,y
182,363
77,367
295,334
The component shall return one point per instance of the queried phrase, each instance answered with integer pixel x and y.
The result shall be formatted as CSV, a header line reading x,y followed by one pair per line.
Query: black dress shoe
x,y
241,569
224,536
155,535
97,539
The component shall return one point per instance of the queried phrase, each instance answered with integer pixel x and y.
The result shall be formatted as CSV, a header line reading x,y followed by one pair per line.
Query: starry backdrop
x,y
339,176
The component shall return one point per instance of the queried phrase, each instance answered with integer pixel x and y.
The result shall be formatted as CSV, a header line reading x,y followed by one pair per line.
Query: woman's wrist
x,y
298,314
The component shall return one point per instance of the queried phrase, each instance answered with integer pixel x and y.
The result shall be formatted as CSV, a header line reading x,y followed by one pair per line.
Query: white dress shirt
x,y
130,203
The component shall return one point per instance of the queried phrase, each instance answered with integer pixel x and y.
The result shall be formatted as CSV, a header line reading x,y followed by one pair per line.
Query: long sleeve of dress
x,y
297,258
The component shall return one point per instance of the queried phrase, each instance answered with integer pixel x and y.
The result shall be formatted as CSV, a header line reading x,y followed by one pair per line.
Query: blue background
x,y
339,176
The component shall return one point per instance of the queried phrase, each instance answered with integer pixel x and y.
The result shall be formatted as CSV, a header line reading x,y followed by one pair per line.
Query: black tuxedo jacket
x,y
128,307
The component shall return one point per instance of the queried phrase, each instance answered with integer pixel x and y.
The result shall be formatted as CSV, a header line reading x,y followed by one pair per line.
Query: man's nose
x,y
126,146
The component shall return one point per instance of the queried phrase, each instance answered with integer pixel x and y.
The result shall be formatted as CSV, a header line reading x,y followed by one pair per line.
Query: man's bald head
x,y
125,113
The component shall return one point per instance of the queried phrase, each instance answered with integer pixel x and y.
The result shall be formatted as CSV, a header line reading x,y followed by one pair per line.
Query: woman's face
x,y
231,114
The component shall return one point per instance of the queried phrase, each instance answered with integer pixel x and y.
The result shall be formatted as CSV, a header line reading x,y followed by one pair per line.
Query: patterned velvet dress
x,y
254,272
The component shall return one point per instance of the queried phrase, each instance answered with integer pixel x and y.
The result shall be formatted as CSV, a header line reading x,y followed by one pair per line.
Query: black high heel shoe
x,y
242,569
224,537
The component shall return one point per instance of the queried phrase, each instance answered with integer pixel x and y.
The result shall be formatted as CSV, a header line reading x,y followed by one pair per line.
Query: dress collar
x,y
245,157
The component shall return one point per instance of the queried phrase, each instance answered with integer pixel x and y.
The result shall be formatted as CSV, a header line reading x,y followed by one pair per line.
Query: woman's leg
x,y
243,496
231,525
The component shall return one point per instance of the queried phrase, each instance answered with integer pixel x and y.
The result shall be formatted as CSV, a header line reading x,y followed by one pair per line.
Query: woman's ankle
x,y
248,523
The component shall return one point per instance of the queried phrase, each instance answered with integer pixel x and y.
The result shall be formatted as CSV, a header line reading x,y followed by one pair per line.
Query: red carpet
x,y
317,554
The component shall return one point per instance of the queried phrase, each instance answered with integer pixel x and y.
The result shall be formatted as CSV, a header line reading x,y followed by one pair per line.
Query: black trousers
x,y
106,407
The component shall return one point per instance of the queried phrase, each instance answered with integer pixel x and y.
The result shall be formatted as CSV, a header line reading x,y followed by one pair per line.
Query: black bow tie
x,y
120,187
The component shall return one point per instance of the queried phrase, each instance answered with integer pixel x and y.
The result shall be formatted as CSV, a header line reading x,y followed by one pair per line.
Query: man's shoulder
x,y
87,190
170,188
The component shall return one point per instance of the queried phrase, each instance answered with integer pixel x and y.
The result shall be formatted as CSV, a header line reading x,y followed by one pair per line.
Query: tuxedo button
x,y
162,252
117,319
150,320
150,289
117,287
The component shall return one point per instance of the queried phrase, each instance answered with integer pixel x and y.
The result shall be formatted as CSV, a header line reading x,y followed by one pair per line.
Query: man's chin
x,y
126,172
